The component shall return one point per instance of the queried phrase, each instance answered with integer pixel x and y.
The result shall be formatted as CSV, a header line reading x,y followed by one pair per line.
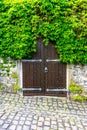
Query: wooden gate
x,y
44,74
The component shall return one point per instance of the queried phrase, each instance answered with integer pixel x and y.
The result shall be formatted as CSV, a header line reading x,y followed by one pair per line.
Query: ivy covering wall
x,y
61,22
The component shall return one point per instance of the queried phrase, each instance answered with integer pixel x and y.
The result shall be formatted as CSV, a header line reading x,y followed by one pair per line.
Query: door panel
x,y
33,78
55,79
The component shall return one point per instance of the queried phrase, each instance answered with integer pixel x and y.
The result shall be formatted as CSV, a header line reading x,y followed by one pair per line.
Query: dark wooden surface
x,y
35,76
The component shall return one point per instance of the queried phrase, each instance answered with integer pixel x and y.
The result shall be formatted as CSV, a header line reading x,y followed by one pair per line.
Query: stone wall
x,y
78,74
8,75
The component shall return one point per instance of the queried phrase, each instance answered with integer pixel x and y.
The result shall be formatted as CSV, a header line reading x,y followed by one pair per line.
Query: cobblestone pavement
x,y
41,113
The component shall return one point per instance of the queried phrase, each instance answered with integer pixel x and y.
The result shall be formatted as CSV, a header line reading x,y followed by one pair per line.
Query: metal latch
x,y
46,69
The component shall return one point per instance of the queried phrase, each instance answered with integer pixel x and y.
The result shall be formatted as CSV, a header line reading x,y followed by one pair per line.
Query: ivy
x,y
61,22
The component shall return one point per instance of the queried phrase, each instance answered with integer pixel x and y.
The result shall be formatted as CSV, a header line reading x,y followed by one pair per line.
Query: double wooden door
x,y
44,74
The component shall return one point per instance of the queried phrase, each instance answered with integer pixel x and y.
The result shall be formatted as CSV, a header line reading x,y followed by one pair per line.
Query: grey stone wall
x,y
78,74
8,74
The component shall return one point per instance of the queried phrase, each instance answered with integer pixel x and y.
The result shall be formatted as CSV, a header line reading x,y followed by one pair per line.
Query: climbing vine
x,y
61,22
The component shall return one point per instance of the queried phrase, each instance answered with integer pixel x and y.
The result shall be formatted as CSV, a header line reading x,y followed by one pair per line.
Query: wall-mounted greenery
x,y
62,22
78,93
15,85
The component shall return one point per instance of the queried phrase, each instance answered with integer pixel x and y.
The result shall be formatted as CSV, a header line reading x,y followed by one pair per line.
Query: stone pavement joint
x,y
41,113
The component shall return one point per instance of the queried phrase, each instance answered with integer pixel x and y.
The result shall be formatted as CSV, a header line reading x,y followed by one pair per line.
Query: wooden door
x,y
44,74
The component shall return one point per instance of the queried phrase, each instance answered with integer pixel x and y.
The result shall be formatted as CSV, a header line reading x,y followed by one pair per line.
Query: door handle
x,y
46,69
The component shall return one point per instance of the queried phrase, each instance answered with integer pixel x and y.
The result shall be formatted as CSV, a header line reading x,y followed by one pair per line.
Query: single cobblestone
x,y
46,128
15,122
41,118
54,127
39,128
12,127
1,122
33,127
5,126
19,127
40,123
47,123
25,127
21,122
